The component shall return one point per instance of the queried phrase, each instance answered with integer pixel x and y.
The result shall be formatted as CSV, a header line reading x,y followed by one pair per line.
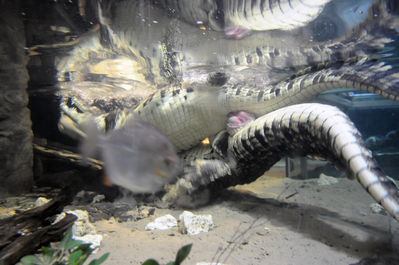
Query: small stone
x,y
83,229
41,201
377,209
194,224
324,180
162,223
94,240
144,212
98,198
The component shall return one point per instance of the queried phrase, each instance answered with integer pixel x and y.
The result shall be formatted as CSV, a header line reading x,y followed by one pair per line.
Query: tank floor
x,y
274,220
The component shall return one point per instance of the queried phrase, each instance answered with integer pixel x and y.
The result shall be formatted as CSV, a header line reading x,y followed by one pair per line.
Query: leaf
x,y
31,260
99,260
182,254
170,263
73,243
66,239
48,251
83,258
150,262
79,256
85,247
75,256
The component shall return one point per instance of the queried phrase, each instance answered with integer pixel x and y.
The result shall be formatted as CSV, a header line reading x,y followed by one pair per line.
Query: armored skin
x,y
196,102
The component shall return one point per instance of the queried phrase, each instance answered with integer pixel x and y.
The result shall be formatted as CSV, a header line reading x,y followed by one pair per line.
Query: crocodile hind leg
x,y
300,130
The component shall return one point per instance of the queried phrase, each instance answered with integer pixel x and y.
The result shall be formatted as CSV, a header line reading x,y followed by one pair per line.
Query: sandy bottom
x,y
271,221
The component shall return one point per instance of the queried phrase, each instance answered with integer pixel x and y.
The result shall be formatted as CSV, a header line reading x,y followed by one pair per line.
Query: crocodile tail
x,y
269,14
311,130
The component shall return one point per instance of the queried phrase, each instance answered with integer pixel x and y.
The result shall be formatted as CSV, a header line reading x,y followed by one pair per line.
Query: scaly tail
x,y
309,130
269,14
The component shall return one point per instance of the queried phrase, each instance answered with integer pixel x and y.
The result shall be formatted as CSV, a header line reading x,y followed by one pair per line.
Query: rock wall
x,y
16,153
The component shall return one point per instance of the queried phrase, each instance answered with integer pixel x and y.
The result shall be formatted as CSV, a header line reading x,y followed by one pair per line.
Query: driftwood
x,y
67,156
25,232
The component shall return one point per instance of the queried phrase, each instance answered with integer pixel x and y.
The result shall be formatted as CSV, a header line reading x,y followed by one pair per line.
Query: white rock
x,y
83,229
98,198
324,180
94,240
194,224
41,201
82,225
162,223
377,208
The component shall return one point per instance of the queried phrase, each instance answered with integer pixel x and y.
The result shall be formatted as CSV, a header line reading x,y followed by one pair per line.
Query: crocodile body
x,y
195,103
188,115
165,53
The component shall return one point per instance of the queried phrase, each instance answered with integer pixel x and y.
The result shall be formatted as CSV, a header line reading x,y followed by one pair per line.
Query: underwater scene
x,y
199,132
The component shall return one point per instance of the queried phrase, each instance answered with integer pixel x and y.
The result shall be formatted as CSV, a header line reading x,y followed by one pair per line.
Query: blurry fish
x,y
138,157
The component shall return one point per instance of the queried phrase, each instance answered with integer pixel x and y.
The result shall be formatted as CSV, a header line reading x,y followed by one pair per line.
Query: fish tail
x,y
89,145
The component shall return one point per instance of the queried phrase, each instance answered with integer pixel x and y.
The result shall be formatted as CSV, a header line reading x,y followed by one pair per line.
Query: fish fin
x,y
107,181
160,173
88,146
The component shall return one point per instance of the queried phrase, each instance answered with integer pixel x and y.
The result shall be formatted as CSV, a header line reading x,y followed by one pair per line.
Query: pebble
x,y
162,223
324,180
194,224
83,229
41,201
377,208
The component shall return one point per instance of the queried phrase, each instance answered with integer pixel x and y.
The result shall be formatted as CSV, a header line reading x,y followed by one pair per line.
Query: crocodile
x,y
165,54
190,111
161,61
315,130
248,14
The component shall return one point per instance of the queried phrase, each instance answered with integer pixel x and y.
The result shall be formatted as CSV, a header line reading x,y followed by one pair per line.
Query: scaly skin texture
x,y
189,111
188,115
259,76
300,130
247,14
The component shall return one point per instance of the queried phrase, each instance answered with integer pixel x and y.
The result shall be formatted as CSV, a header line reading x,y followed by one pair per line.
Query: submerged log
x,y
67,156
25,232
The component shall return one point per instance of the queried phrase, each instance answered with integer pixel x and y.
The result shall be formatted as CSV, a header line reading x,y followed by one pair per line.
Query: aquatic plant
x,y
180,256
70,251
